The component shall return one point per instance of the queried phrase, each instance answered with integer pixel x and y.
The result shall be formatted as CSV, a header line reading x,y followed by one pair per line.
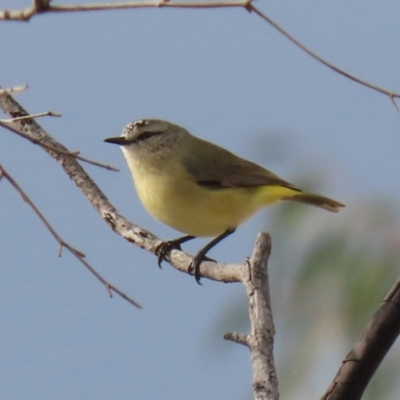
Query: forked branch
x,y
260,341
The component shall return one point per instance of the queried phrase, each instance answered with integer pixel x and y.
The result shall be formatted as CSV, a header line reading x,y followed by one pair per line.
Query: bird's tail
x,y
316,200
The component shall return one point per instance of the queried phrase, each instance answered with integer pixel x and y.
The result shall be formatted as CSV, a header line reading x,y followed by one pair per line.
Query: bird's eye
x,y
146,135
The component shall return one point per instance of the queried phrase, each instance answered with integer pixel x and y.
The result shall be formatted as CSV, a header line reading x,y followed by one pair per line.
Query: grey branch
x,y
15,89
239,338
43,6
362,361
262,331
260,341
42,114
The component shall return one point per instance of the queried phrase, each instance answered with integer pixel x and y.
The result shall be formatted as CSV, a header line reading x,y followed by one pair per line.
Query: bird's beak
x,y
116,140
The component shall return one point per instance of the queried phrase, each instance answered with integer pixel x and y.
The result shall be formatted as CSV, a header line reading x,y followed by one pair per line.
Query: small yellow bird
x,y
197,187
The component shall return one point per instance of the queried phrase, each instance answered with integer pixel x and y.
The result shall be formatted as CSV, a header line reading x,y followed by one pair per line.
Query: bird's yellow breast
x,y
173,197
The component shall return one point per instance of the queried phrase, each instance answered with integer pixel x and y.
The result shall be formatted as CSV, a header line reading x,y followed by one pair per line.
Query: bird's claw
x,y
194,267
163,249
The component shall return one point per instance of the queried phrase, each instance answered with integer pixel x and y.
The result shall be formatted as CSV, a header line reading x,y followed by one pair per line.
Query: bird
x,y
199,188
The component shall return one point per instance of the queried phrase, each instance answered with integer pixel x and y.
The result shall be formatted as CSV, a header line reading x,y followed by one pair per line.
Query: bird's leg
x,y
201,255
164,248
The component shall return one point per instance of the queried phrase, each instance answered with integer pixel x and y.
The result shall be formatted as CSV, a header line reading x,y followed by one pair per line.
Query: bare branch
x,y
390,94
62,243
11,126
78,254
41,5
260,341
362,361
28,13
237,338
262,330
15,89
43,114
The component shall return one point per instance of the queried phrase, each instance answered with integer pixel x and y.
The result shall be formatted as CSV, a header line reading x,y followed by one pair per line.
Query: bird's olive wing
x,y
216,168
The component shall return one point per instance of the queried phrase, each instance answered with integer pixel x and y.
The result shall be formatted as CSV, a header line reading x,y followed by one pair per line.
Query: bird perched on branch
x,y
197,187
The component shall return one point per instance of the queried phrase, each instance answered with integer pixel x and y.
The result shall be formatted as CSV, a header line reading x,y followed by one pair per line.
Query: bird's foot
x,y
194,267
201,255
164,248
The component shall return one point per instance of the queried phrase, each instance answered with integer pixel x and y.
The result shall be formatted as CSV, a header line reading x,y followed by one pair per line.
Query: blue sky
x,y
228,77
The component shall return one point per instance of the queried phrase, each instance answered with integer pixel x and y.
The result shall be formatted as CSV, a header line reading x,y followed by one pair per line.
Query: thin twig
x,y
5,123
15,89
28,13
78,254
239,338
41,5
43,114
390,94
